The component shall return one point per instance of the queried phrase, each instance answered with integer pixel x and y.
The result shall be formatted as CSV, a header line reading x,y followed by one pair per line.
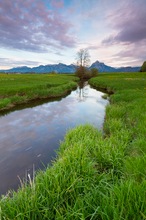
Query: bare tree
x,y
83,60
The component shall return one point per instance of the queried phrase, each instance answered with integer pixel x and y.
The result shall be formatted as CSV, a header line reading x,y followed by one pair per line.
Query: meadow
x,y
98,175
22,88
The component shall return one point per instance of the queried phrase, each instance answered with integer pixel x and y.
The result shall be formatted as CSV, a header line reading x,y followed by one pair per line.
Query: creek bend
x,y
29,137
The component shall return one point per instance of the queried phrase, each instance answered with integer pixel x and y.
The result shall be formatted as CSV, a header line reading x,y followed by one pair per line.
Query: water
x,y
30,136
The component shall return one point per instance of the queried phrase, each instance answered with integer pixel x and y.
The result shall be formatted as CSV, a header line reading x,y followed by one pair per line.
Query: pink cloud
x,y
128,23
57,3
30,25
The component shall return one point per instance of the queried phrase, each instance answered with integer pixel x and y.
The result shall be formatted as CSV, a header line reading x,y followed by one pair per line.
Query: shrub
x,y
143,68
94,72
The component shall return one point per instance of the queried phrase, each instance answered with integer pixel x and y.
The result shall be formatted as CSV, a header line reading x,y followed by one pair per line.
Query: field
x,y
21,88
97,175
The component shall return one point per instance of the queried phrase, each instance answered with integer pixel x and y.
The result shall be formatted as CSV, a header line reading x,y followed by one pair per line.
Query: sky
x,y
41,32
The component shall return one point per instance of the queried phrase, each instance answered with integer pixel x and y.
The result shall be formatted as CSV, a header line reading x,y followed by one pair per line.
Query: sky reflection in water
x,y
31,136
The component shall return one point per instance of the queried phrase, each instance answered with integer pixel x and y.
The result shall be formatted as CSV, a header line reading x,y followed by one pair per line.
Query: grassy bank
x,y
21,88
95,176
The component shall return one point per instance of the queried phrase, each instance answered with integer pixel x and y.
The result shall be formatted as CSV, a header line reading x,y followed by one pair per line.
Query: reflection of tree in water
x,y
82,91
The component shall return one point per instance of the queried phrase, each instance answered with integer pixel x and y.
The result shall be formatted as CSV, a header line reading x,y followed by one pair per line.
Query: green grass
x,y
96,175
16,89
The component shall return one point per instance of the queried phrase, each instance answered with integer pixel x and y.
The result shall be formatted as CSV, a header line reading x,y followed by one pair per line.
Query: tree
x,y
83,60
143,68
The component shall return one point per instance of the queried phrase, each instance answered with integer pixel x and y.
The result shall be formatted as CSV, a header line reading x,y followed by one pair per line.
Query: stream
x,y
29,137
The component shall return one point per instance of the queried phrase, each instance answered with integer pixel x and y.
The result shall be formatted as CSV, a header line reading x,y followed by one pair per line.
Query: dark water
x,y
30,136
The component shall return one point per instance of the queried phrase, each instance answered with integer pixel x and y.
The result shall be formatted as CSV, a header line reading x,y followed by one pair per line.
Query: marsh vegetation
x,y
96,175
22,88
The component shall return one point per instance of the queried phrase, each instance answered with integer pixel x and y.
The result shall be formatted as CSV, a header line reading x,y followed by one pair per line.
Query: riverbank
x,y
95,176
17,89
29,137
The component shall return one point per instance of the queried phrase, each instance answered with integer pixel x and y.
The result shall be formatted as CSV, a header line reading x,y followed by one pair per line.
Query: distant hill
x,y
129,69
63,68
58,68
21,69
102,67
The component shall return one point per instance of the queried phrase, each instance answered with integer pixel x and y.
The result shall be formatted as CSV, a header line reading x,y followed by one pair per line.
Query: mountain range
x,y
63,68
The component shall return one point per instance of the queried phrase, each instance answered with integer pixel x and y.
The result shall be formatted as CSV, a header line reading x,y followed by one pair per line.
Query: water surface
x,y
29,137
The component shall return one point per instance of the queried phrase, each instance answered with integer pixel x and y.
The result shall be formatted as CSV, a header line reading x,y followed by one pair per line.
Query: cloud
x,y
30,25
57,3
127,38
128,24
134,53
128,53
12,62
